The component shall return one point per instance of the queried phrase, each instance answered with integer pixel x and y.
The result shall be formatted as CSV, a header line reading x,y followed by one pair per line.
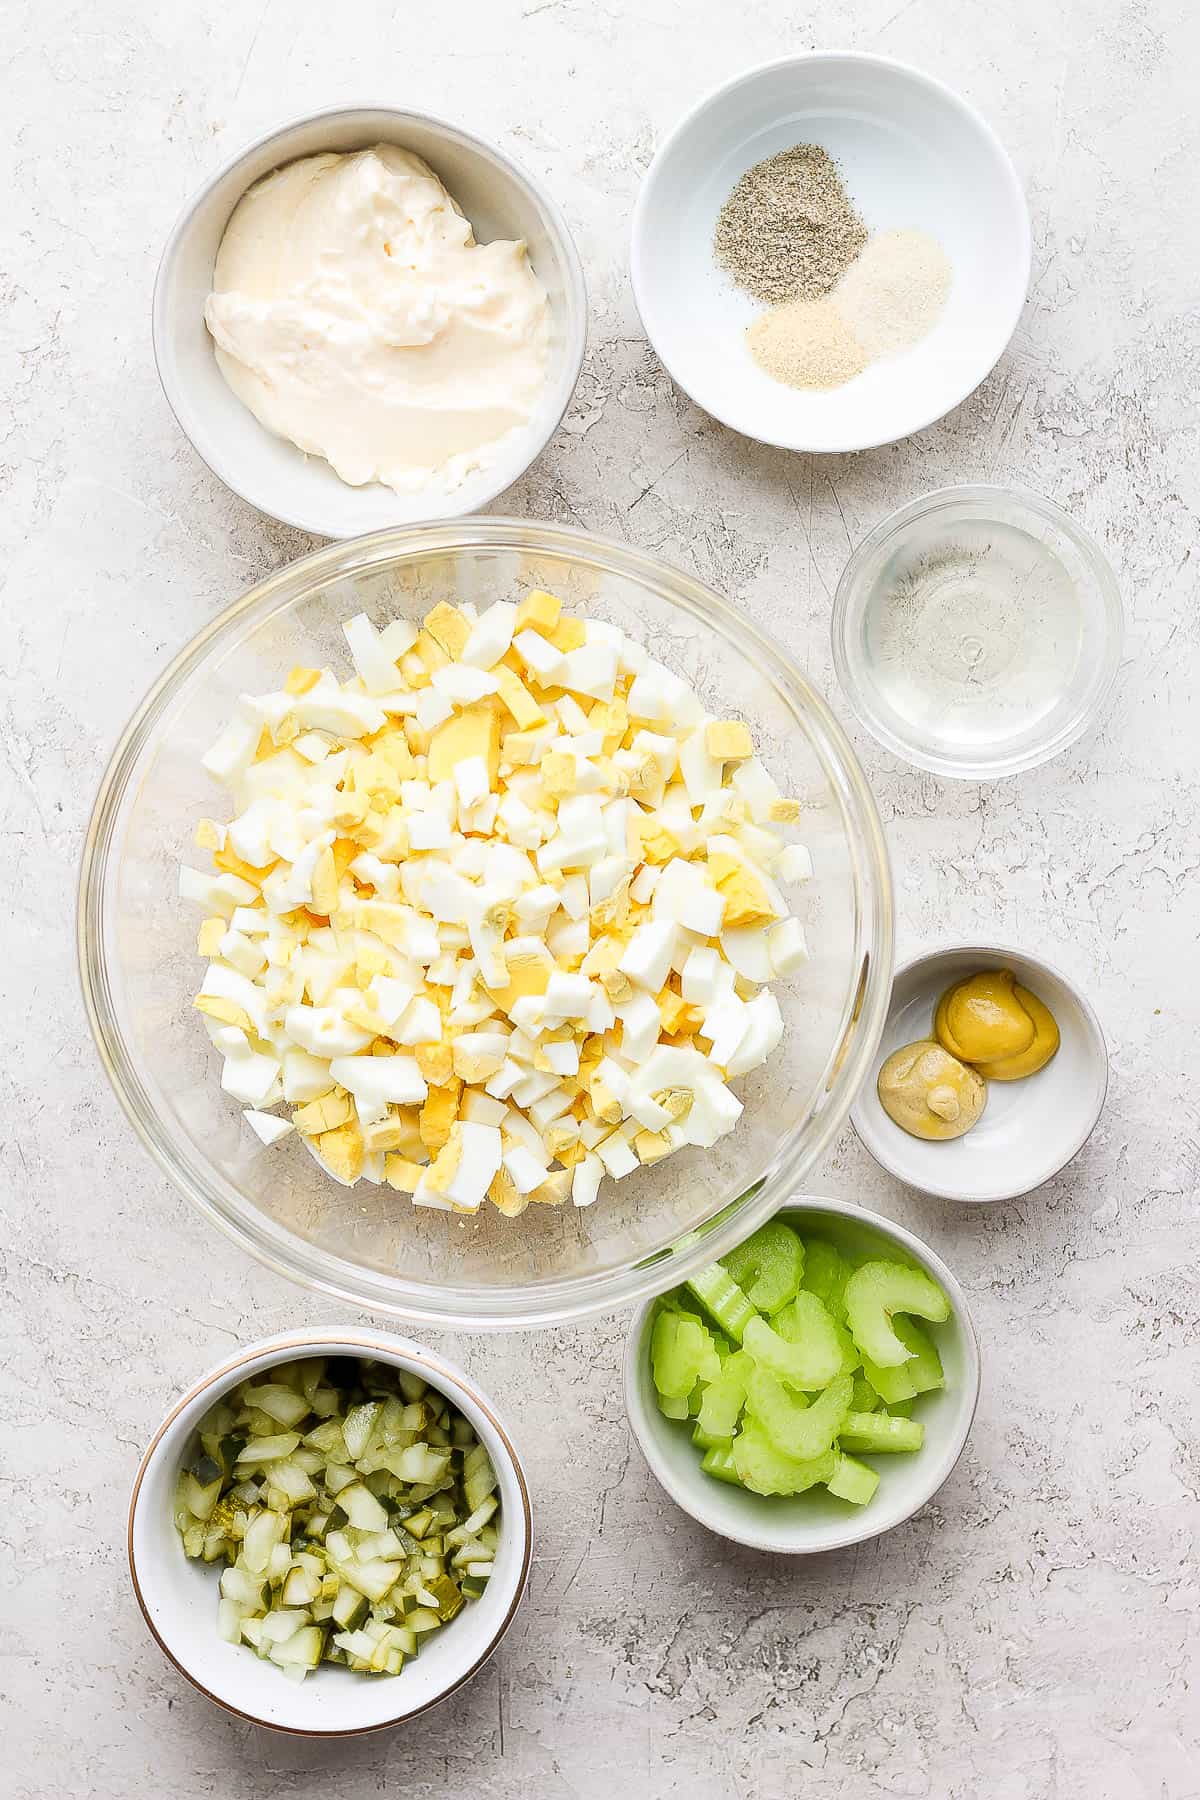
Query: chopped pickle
x,y
368,1522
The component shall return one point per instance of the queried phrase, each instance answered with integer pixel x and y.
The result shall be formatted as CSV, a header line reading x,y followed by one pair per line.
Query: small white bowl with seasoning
x,y
325,1472
1030,1126
904,243
340,352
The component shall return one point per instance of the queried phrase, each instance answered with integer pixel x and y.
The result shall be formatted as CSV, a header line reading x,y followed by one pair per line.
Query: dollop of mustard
x,y
1045,1043
981,1020
930,1093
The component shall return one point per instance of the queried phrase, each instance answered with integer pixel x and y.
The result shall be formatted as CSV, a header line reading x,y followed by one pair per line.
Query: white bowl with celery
x,y
810,1390
330,1532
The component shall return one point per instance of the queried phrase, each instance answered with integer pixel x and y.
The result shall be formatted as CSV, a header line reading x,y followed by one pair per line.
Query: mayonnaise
x,y
354,314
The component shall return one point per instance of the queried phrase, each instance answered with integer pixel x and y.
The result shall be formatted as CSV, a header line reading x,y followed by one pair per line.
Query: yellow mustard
x,y
1038,1054
981,1019
929,1093
999,1027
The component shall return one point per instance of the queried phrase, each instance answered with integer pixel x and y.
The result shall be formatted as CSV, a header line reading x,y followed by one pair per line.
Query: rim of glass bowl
x,y
1090,703
576,1296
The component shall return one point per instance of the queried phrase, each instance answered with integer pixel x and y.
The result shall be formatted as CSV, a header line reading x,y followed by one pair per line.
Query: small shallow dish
x,y
977,631
500,199
913,155
1029,1129
802,1524
178,1597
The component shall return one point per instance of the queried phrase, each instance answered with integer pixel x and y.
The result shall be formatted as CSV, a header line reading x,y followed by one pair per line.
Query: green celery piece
x,y
851,1356
681,1352
924,1369
764,1470
725,1395
852,1480
890,1385
768,1266
673,1406
802,1346
901,1409
718,1462
875,1292
872,1434
826,1273
723,1300
865,1399
795,1428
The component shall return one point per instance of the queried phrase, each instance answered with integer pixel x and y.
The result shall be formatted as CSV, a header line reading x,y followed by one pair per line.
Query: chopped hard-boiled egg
x,y
496,917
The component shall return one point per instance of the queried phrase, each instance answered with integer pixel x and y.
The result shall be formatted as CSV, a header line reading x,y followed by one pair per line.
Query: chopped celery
x,y
890,1385
765,1470
852,1480
724,1397
308,1519
871,1434
718,1462
681,1352
793,1426
768,1266
809,1356
875,1292
826,1273
924,1367
816,1358
723,1300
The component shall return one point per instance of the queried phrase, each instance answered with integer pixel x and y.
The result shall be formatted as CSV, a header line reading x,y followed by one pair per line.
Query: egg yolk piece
x,y
1044,1046
981,1020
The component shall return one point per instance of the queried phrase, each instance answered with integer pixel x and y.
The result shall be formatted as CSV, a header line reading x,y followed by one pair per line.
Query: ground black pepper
x,y
788,230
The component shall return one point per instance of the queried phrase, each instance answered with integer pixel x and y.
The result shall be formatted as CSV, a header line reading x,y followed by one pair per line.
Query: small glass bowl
x,y
977,631
367,1245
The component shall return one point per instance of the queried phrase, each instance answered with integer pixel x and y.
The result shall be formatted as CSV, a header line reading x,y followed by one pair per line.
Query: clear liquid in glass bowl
x,y
977,631
369,1245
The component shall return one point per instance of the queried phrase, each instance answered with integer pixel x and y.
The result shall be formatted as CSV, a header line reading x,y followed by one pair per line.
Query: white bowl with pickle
x,y
330,1532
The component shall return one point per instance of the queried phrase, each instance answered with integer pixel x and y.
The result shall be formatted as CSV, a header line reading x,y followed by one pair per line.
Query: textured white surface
x,y
1033,1634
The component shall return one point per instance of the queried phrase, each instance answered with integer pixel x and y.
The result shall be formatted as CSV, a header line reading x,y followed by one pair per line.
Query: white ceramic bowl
x,y
804,1523
179,1598
501,201
913,155
1029,1129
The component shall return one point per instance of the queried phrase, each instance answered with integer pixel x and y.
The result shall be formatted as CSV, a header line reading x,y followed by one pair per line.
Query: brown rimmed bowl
x,y
178,1597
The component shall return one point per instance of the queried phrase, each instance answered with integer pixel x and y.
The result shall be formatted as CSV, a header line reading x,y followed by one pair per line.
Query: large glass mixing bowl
x,y
369,1245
